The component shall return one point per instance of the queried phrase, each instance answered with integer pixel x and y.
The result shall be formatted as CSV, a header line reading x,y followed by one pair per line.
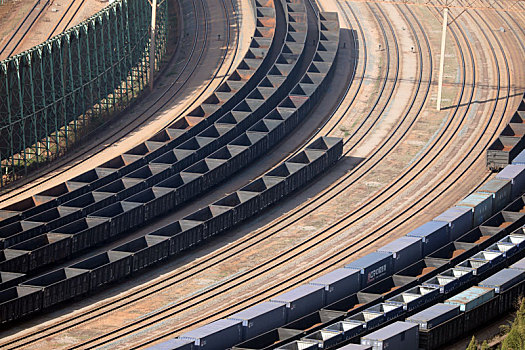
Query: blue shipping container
x,y
434,315
338,284
459,220
173,344
261,318
301,300
398,335
482,203
503,280
373,267
435,235
217,335
502,190
471,298
515,173
405,251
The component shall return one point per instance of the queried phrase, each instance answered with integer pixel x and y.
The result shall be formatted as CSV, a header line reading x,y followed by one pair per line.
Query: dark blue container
x,y
373,267
302,300
173,344
502,190
217,335
435,234
516,174
261,318
338,284
405,251
434,315
459,219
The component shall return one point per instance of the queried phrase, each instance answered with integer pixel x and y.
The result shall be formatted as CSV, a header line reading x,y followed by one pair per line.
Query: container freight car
x,y
483,250
351,317
301,301
482,205
434,235
404,251
434,315
338,284
373,267
502,191
459,219
217,335
516,174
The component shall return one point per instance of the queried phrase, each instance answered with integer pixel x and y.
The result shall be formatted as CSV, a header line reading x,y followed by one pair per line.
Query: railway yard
x,y
260,174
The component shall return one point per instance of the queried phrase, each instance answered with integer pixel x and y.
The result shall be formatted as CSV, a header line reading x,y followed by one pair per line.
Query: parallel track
x,y
344,255
30,338
151,292
340,259
56,29
20,33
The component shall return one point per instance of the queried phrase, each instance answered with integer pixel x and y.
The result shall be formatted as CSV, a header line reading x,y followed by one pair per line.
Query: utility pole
x,y
442,58
152,43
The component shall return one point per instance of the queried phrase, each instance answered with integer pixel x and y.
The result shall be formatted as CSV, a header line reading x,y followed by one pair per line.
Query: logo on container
x,y
372,275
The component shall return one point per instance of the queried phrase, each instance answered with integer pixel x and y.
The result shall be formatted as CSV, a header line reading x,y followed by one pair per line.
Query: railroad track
x,y
203,32
177,330
23,28
385,78
67,17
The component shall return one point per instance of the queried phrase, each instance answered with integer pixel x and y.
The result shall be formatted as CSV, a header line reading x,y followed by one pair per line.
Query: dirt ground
x,y
13,12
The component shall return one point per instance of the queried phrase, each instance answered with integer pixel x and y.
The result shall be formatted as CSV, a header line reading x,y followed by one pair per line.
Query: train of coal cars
x,y
510,142
130,258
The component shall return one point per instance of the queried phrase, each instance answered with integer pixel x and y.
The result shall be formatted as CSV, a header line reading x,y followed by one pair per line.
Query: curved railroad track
x,y
346,254
29,338
340,259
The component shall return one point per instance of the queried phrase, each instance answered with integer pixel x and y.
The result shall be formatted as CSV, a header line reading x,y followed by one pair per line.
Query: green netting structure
x,y
59,92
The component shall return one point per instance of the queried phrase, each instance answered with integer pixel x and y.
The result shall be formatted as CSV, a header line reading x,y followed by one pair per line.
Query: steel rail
x,y
98,308
497,66
26,18
64,16
473,147
154,314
